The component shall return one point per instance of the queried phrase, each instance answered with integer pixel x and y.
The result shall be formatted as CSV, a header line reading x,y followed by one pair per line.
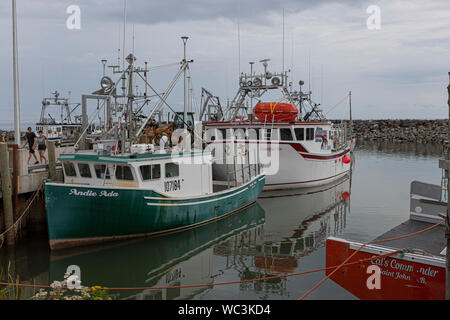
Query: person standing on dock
x,y
31,139
41,144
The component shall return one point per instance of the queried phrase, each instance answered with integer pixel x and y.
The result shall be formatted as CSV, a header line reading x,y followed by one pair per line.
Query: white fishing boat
x,y
302,148
61,128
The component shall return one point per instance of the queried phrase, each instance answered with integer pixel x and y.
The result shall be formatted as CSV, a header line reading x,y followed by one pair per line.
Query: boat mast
x,y
185,39
15,77
282,54
351,120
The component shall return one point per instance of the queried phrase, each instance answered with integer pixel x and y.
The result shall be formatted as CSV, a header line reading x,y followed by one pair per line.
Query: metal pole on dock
x,y
6,192
15,77
447,226
52,160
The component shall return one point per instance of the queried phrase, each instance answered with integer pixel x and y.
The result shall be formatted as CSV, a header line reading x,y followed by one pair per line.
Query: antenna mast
x,y
185,39
282,66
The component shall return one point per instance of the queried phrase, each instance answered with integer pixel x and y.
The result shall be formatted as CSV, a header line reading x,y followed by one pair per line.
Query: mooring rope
x,y
22,215
336,267
220,283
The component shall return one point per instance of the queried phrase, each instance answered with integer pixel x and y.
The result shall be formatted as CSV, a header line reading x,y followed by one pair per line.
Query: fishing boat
x,y
124,189
61,129
410,259
124,196
417,273
302,148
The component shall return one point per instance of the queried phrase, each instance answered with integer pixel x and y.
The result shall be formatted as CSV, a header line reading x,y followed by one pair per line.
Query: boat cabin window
x,y
150,172
309,133
300,133
172,170
85,170
69,169
223,132
286,134
274,135
239,134
124,173
253,134
101,170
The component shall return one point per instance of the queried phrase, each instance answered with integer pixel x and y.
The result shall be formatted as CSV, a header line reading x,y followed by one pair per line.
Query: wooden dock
x,y
27,178
20,188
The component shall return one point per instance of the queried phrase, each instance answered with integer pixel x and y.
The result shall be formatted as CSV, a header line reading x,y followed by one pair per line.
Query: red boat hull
x,y
275,111
400,279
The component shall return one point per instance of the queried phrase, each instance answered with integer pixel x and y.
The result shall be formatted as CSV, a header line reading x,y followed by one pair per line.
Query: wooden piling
x,y
51,160
7,193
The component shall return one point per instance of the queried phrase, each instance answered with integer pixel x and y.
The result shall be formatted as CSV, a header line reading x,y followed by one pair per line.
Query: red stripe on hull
x,y
317,157
309,181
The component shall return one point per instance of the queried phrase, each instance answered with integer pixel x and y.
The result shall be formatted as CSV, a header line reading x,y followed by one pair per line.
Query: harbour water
x,y
283,233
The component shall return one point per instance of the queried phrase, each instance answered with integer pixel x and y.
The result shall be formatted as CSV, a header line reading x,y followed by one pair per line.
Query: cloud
x,y
326,42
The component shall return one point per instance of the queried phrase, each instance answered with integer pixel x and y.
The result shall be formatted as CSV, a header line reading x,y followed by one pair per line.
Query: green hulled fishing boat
x,y
123,196
122,188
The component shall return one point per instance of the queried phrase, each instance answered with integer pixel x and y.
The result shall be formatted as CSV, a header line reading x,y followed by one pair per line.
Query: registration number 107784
x,y
173,185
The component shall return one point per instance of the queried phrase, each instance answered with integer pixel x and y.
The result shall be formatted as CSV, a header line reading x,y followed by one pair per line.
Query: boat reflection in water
x,y
297,223
178,259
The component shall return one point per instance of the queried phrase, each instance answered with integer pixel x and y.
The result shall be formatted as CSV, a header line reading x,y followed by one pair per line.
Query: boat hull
x,y
299,169
403,277
296,168
80,215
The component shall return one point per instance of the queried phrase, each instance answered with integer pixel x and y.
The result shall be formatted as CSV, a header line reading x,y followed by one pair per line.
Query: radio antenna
x,y
282,66
239,46
124,25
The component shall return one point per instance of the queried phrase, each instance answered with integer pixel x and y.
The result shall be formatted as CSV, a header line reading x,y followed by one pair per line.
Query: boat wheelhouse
x,y
109,197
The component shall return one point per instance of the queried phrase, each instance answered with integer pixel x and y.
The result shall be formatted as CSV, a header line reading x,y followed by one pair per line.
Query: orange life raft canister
x,y
275,111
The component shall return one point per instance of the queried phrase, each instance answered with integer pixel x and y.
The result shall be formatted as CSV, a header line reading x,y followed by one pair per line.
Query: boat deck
x,y
431,241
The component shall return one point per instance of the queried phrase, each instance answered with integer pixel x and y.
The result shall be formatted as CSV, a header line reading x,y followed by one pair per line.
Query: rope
x,y
220,283
336,105
22,215
363,245
336,268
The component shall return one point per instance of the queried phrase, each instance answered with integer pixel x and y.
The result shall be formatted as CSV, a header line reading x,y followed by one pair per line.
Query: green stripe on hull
x,y
80,212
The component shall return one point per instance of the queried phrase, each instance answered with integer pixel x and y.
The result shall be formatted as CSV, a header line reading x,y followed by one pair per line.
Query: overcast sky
x,y
398,71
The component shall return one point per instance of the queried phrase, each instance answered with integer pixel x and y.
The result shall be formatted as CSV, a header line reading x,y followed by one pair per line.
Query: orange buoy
x,y
346,159
346,196
275,111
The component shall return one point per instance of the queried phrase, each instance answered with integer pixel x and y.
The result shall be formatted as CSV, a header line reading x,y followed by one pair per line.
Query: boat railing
x,y
242,172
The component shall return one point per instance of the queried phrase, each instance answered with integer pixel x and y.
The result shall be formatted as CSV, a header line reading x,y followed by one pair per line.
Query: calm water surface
x,y
284,232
